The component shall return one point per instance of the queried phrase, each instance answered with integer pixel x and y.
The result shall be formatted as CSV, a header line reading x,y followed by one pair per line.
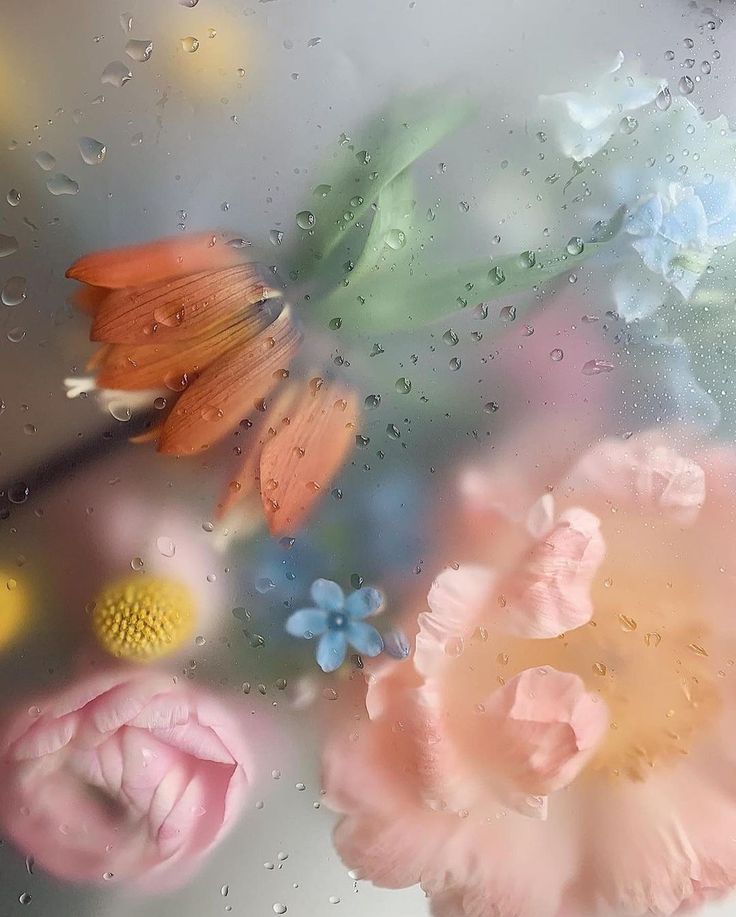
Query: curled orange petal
x,y
301,460
152,262
142,366
88,299
182,308
210,407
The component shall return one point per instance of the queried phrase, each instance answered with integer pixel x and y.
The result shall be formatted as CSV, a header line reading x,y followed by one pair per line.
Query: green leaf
x,y
387,146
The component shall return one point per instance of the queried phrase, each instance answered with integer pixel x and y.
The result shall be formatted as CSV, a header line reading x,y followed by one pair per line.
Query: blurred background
x,y
122,122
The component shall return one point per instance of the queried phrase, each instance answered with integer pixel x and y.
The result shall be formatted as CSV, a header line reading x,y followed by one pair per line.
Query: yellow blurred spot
x,y
14,606
143,618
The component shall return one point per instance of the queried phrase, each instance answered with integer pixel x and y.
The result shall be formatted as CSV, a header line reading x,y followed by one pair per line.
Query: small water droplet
x,y
496,275
275,237
575,246
13,197
372,401
627,623
8,245
455,364
92,151
685,85
403,385
16,335
527,259
393,431
279,908
313,42
264,584
18,493
14,291
116,74
24,898
450,337
305,219
653,639
395,239
491,407
322,190
556,355
120,411
663,99
188,3
45,161
599,668
628,124
595,367
705,67
139,50
61,184
166,546
190,44
454,646
333,899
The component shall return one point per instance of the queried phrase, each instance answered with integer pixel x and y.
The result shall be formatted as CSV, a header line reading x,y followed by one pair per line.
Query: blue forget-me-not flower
x,y
677,231
338,621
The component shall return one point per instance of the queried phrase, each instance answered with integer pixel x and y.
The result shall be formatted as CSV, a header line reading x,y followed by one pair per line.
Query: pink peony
x,y
560,745
124,777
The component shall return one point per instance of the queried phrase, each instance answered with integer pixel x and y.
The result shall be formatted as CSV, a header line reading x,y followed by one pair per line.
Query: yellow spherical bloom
x,y
14,606
142,618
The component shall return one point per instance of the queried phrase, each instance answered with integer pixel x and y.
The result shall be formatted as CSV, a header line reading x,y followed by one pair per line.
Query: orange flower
x,y
190,315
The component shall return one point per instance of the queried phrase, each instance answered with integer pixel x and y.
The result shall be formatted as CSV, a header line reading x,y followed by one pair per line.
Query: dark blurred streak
x,y
59,464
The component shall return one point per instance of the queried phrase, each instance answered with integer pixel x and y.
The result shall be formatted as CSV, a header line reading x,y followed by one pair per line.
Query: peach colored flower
x,y
123,777
188,315
560,744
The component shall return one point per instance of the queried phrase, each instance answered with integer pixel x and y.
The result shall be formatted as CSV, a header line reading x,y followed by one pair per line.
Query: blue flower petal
x,y
363,602
724,231
646,219
331,650
657,253
718,198
686,223
307,622
327,595
365,638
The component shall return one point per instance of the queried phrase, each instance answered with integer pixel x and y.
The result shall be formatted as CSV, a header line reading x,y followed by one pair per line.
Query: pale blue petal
x,y
587,111
657,253
647,218
363,602
686,224
331,650
685,282
365,638
327,595
724,231
307,622
718,197
396,644
638,292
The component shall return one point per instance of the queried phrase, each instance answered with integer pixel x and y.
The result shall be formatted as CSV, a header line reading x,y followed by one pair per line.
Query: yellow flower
x,y
14,606
143,617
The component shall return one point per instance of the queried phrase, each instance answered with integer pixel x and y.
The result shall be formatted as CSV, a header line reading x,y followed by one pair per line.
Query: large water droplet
x,y
403,385
556,355
496,275
190,44
595,367
120,411
62,184
276,237
628,124
663,99
450,337
575,246
686,85
188,3
13,197
166,546
139,50
372,401
527,259
116,74
8,245
395,239
305,219
92,151
45,161
14,291
322,190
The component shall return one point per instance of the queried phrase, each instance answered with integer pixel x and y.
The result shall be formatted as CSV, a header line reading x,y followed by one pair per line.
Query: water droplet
x,y
556,355
190,44
450,337
126,22
595,367
575,246
188,3
403,385
463,206
663,99
305,219
705,67
322,190
333,899
685,85
120,411
107,876
653,639
139,50
496,275
16,335
627,623
18,493
24,898
13,197
527,259
8,245
14,291
313,42
395,239
372,401
697,649
62,184
264,584
393,431
599,668
92,151
491,407
455,364
279,908
116,74
166,546
45,161
454,646
275,237
628,124
669,55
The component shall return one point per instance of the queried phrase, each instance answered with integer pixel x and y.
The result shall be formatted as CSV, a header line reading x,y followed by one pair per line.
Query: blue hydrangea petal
x,y
327,595
686,223
307,622
724,231
363,602
331,650
647,218
365,638
657,253
718,198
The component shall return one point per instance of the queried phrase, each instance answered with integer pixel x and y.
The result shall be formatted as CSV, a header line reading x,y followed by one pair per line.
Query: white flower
x,y
677,231
591,118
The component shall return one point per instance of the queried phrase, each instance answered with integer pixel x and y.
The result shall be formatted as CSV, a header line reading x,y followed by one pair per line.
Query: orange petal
x,y
246,481
300,462
88,299
152,262
229,388
144,366
180,309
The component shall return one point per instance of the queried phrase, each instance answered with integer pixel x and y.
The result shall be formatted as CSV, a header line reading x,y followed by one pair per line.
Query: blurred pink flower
x,y
559,745
124,777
